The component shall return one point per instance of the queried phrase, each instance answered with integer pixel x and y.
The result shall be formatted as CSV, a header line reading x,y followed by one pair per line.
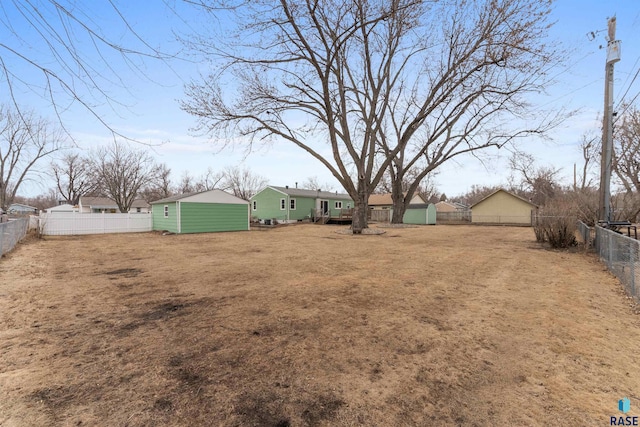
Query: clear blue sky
x,y
152,112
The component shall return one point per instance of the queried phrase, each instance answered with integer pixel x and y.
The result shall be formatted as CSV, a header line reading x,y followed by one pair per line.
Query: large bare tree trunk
x,y
361,207
399,206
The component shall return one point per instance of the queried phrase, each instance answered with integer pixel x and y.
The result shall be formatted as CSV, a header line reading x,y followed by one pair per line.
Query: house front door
x,y
324,207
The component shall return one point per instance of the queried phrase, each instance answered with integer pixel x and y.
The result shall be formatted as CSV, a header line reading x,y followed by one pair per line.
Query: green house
x,y
205,212
420,214
285,204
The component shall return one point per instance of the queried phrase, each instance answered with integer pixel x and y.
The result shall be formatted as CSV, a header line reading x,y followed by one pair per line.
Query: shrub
x,y
557,226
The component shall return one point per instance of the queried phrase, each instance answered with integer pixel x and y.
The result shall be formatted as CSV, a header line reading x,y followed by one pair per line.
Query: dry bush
x,y
556,225
584,205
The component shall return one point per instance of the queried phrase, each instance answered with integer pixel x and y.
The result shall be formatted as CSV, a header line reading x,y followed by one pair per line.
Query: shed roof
x,y
504,191
315,194
209,196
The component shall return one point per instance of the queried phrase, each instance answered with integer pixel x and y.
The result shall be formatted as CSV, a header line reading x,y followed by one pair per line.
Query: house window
x,y
138,210
283,204
338,205
166,211
254,205
348,205
292,204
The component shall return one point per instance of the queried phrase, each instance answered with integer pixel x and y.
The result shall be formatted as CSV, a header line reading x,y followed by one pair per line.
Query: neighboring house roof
x,y
386,200
209,196
420,205
504,191
315,194
21,207
107,203
62,208
445,206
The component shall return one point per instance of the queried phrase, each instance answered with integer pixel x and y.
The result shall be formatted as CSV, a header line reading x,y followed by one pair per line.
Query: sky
x,y
149,108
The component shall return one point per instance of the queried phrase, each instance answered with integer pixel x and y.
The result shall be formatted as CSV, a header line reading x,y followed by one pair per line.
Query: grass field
x,y
301,326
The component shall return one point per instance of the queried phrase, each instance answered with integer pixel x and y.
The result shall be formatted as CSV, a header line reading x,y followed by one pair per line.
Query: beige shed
x,y
502,207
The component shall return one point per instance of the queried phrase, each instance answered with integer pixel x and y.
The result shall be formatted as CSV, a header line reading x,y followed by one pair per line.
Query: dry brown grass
x,y
303,326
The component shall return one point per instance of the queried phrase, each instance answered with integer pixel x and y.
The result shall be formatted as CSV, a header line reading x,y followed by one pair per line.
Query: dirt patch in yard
x,y
301,326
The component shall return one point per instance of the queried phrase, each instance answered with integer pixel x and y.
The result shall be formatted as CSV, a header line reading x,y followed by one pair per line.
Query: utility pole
x,y
613,56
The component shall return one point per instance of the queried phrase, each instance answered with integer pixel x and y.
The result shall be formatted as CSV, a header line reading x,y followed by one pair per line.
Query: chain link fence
x,y
619,252
11,233
587,234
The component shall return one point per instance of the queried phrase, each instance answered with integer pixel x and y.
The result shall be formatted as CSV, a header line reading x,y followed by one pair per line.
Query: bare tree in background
x,y
590,148
209,180
313,183
539,184
384,83
187,184
160,187
74,178
123,172
71,53
242,182
626,161
475,194
40,202
25,140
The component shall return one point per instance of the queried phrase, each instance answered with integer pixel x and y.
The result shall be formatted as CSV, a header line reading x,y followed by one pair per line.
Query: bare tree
x,y
187,184
71,53
242,183
371,79
590,148
626,161
539,184
123,172
313,183
211,180
207,181
41,201
25,140
472,96
160,187
475,194
74,178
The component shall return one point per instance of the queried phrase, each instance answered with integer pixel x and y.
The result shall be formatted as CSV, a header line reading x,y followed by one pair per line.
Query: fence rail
x,y
457,216
620,253
59,224
379,215
11,233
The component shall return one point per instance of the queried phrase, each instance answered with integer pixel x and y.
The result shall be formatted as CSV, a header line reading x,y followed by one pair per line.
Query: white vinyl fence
x,y
11,233
72,223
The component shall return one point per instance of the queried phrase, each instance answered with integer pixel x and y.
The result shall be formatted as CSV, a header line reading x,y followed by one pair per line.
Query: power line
x,y
629,87
629,104
634,66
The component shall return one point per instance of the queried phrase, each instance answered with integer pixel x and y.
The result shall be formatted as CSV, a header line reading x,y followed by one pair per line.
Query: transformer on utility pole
x,y
613,56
